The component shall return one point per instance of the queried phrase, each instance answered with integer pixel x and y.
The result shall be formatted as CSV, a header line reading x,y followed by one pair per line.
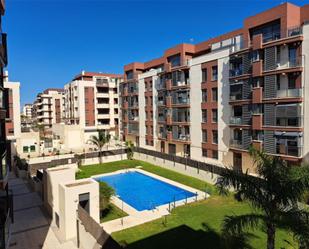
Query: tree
x,y
130,149
99,141
79,158
274,197
118,143
106,192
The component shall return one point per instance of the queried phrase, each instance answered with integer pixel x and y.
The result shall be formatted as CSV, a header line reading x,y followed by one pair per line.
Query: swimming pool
x,y
144,192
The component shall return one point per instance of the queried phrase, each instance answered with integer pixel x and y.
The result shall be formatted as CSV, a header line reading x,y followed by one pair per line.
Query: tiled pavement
x,y
31,228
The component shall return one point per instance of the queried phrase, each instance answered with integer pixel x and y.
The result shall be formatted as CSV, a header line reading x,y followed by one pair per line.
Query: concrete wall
x,y
305,80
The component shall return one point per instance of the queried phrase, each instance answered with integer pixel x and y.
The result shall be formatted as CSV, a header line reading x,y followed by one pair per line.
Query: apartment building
x,y
6,206
213,100
48,108
27,111
92,102
13,122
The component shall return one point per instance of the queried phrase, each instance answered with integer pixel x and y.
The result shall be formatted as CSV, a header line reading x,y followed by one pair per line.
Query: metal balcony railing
x,y
181,137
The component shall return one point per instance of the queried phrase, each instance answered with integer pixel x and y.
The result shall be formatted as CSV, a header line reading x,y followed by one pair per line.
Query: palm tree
x,y
118,144
99,141
108,139
274,197
130,149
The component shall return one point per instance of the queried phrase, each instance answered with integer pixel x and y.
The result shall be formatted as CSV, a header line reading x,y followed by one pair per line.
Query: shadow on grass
x,y
184,237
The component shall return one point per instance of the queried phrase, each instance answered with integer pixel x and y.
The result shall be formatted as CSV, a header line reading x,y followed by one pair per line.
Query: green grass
x,y
112,213
195,225
90,170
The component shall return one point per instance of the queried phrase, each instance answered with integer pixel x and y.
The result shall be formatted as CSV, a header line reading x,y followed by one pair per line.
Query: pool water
x,y
144,192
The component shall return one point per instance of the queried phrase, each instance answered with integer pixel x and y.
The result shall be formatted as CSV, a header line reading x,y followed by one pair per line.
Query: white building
x,y
48,107
27,111
92,102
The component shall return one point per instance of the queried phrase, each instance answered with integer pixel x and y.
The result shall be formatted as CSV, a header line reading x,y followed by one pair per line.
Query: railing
x,y
162,118
272,36
161,102
180,120
289,122
289,93
236,120
236,143
182,137
181,101
235,96
162,135
295,151
292,62
181,83
236,72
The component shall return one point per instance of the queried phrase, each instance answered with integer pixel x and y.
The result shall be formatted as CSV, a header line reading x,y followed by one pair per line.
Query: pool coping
x,y
136,217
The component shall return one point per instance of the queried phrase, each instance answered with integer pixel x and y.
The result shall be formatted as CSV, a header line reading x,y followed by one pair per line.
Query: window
x,y
32,148
292,82
174,60
215,154
214,75
25,149
215,137
214,115
204,95
204,116
204,134
214,92
204,75
204,152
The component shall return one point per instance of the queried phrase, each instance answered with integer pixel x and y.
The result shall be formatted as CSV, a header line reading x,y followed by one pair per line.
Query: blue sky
x,y
50,41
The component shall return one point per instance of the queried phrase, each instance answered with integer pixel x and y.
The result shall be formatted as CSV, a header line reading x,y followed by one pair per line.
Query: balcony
x,y
181,83
162,135
180,101
235,96
257,144
280,34
290,93
236,72
181,137
161,102
236,144
290,63
295,151
236,120
289,121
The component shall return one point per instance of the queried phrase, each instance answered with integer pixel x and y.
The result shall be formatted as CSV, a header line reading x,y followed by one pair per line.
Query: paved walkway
x,y
31,228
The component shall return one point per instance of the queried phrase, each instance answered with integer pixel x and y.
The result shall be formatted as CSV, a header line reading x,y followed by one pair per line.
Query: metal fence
x,y
183,160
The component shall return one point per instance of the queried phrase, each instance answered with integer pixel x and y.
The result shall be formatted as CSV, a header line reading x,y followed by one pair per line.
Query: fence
x,y
90,234
214,169
33,167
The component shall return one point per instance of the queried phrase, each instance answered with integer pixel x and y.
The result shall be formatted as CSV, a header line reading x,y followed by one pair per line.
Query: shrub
x,y
106,192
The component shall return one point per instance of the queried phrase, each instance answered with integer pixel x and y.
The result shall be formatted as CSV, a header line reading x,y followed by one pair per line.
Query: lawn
x,y
111,213
195,225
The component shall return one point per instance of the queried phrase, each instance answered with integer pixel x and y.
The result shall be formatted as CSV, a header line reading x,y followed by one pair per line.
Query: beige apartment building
x,y
213,100
27,111
92,102
48,108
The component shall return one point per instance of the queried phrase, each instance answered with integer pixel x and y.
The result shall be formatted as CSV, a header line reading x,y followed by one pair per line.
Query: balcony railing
x,y
181,137
295,151
289,122
292,93
236,72
236,143
162,118
181,101
181,83
292,62
235,96
236,120
293,31
162,135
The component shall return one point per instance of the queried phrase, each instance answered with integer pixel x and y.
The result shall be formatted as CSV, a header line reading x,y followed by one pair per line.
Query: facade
x,y
6,211
13,122
213,100
27,111
48,108
92,102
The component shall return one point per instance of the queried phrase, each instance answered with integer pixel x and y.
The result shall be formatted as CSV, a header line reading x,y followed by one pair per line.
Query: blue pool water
x,y
143,192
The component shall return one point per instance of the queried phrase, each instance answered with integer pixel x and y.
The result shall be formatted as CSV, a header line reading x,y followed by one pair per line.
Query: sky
x,y
51,41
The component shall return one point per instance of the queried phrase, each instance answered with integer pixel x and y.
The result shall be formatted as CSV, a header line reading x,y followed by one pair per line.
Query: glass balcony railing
x,y
235,96
295,151
181,101
236,143
236,72
292,93
236,120
181,137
